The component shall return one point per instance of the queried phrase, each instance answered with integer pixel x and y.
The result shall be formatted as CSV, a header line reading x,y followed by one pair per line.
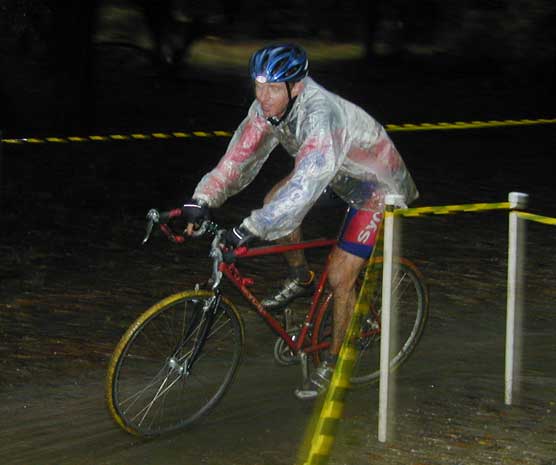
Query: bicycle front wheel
x,y
161,376
411,308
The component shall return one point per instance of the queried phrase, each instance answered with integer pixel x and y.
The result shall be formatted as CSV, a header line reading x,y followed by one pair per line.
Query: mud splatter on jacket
x,y
334,142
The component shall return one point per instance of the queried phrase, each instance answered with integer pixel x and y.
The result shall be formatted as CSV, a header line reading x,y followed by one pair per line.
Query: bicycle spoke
x,y
214,330
157,386
160,393
408,319
134,397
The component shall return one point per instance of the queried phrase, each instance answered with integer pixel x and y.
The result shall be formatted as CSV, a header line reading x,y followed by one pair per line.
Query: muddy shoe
x,y
317,383
291,289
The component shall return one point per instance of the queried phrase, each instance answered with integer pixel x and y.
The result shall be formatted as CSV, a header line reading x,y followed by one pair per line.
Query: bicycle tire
x,y
412,314
148,392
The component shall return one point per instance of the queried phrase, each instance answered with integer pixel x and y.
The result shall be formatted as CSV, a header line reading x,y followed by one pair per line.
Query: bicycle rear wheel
x,y
151,386
411,303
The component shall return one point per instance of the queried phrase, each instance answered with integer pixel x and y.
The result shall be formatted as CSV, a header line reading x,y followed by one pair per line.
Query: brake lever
x,y
153,217
201,230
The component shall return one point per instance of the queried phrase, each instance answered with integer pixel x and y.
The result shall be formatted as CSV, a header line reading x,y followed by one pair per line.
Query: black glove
x,y
238,236
195,211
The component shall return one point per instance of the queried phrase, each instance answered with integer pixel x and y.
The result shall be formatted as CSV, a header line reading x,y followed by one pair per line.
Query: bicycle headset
x,y
287,63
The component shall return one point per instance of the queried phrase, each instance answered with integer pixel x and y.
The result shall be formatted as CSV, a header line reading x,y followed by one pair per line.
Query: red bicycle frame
x,y
234,275
297,344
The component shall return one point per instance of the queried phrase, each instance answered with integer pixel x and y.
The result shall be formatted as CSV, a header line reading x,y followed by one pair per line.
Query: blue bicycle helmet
x,y
279,63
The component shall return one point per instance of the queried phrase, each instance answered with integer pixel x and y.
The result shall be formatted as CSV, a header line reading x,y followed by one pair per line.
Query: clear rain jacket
x,y
334,142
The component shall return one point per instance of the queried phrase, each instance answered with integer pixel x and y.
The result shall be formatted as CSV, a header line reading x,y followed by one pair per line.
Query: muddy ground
x,y
74,276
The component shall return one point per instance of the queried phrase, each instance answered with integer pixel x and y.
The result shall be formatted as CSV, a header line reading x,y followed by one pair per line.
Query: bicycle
x,y
178,358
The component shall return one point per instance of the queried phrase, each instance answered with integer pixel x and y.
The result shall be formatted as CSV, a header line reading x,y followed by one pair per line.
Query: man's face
x,y
273,97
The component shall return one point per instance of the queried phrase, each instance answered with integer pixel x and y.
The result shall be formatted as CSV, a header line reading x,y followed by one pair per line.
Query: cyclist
x,y
336,145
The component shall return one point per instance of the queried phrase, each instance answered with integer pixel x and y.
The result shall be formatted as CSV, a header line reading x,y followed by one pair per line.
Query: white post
x,y
1,175
517,200
389,223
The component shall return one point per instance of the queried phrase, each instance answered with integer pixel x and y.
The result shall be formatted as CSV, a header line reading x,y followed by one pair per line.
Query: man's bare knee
x,y
344,270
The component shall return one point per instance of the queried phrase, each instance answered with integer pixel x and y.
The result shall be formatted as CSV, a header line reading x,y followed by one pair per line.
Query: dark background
x,y
64,62
73,275
114,66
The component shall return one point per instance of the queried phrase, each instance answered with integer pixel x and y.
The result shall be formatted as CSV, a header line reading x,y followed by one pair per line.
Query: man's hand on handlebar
x,y
195,212
197,223
233,240
237,237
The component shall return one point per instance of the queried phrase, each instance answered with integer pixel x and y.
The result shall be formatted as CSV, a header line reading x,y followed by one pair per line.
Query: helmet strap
x,y
276,121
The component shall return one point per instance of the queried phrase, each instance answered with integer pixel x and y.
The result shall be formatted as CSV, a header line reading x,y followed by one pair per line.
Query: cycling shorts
x,y
360,231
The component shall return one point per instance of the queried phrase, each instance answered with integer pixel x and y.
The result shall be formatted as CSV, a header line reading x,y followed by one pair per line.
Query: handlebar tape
x,y
167,216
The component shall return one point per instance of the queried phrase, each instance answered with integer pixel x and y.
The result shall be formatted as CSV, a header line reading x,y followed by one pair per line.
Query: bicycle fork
x,y
202,322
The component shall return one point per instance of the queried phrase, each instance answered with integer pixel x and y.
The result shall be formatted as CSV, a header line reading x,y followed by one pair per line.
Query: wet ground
x,y
74,276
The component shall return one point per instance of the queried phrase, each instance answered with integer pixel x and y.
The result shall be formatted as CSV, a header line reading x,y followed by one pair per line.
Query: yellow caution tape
x,y
467,124
204,134
119,137
320,438
449,209
537,218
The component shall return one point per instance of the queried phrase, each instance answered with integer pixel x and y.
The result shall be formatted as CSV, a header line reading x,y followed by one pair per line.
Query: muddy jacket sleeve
x,y
316,163
249,148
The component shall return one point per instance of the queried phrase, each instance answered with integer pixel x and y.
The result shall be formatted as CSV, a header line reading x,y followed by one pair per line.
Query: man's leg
x,y
295,258
356,244
300,281
358,236
344,269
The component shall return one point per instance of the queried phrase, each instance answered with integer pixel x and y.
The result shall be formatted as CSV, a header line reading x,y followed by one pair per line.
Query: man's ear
x,y
297,88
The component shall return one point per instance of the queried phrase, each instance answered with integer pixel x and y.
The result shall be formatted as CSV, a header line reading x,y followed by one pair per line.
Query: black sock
x,y
331,359
301,273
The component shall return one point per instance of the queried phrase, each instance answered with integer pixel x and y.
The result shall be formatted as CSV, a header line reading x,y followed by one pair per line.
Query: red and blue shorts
x,y
360,231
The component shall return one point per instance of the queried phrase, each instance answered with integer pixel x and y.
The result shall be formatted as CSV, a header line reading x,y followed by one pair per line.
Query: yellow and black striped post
x,y
322,430
321,433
